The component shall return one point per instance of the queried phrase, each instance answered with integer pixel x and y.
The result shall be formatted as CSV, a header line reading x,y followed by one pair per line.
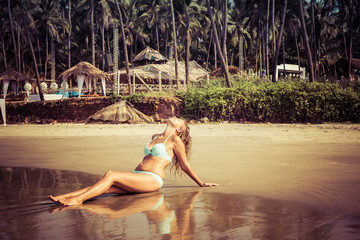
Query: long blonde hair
x,y
186,138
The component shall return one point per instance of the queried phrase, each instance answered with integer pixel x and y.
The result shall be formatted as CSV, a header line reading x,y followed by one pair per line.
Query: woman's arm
x,y
179,149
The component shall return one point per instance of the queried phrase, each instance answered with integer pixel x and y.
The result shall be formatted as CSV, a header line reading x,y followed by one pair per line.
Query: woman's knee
x,y
109,174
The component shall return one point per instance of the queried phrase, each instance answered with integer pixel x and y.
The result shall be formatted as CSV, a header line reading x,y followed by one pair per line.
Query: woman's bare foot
x,y
71,201
55,199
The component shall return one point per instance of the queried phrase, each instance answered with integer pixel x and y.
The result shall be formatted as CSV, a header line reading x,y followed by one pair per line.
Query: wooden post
x,y
133,81
207,79
160,81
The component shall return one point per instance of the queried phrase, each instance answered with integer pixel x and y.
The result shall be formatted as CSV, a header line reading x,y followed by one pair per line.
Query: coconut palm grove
x,y
260,39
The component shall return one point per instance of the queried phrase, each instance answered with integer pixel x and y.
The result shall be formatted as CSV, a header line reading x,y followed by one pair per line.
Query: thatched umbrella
x,y
149,55
84,71
121,112
15,78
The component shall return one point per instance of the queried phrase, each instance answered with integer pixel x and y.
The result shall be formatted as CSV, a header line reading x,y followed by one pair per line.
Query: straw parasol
x,y
121,112
149,55
84,71
11,74
14,76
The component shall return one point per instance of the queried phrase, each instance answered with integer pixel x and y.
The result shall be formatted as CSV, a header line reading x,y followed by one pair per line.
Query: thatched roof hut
x,y
150,73
84,71
149,55
13,77
121,112
11,74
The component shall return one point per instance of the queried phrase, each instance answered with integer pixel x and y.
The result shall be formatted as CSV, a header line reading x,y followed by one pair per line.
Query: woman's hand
x,y
209,185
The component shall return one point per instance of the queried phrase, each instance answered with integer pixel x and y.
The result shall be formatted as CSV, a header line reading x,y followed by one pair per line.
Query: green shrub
x,y
264,101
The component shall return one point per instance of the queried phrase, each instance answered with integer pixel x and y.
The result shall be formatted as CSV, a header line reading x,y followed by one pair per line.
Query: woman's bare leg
x,y
67,195
129,182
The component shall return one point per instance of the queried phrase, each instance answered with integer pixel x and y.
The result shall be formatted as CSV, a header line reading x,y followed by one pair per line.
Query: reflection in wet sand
x,y
185,213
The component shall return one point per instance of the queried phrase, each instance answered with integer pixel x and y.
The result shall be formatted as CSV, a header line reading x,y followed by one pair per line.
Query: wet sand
x,y
276,182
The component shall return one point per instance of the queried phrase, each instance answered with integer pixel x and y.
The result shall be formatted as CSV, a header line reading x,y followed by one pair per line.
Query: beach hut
x,y
14,78
85,72
149,56
121,112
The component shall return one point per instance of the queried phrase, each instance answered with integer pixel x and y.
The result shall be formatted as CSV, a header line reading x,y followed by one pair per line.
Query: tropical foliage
x,y
265,101
249,32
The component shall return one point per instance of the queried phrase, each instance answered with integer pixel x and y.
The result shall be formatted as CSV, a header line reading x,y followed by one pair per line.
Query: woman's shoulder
x,y
155,136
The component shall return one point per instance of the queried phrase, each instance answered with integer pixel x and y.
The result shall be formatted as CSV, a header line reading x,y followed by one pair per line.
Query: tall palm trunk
x,y
241,52
69,37
306,41
218,47
187,52
351,16
267,39
92,33
175,44
124,45
13,36
273,26
313,45
224,50
157,32
32,50
278,42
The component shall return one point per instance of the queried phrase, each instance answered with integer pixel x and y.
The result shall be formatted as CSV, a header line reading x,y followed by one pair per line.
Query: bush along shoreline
x,y
264,101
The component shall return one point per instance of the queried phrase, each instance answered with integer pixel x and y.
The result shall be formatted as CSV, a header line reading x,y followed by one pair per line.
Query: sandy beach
x,y
277,181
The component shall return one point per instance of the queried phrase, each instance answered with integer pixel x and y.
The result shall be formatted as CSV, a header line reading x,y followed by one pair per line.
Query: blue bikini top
x,y
158,150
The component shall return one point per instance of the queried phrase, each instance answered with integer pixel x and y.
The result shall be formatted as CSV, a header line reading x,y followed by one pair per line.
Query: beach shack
x,y
290,70
84,72
14,79
152,71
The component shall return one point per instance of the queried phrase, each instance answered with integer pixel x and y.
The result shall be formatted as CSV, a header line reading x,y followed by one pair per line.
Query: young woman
x,y
172,147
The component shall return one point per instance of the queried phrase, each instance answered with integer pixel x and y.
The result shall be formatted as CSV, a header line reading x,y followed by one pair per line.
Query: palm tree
x,y
218,47
124,45
47,16
13,36
237,28
175,44
279,39
32,49
306,41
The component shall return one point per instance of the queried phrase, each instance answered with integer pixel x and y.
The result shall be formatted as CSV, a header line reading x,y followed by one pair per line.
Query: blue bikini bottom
x,y
157,177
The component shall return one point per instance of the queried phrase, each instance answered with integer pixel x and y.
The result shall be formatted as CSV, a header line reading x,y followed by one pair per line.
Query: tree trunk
x,y
46,52
241,53
224,50
273,26
208,52
92,33
157,31
32,50
124,45
4,52
351,34
306,41
278,42
297,51
187,50
13,36
313,45
69,37
175,45
267,39
218,47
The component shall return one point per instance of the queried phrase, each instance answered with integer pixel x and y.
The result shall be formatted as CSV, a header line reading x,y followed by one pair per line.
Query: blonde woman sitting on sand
x,y
170,147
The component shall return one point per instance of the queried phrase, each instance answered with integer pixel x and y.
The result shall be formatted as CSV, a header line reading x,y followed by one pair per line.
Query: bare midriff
x,y
153,164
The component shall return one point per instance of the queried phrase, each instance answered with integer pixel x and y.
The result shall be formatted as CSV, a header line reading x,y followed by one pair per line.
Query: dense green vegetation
x,y
65,32
264,101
